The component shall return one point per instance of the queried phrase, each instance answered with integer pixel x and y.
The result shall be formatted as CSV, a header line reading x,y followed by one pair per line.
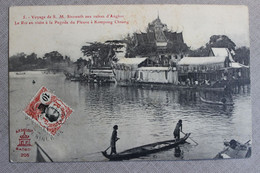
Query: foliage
x,y
53,56
82,61
130,45
145,49
220,41
242,55
177,47
200,52
102,53
21,61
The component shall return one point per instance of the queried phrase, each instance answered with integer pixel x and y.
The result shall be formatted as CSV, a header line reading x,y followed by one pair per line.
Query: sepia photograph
x,y
129,82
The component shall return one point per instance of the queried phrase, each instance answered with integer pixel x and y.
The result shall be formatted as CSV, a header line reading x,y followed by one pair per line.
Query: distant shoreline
x,y
42,69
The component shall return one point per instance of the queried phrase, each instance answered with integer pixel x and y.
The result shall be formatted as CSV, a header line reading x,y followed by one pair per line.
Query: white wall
x,y
159,76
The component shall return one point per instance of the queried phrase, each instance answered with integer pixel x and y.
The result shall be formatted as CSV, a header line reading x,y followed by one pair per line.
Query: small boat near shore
x,y
216,102
146,149
235,149
20,73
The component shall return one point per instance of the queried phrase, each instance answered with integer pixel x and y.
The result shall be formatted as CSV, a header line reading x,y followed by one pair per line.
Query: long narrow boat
x,y
146,149
235,149
215,102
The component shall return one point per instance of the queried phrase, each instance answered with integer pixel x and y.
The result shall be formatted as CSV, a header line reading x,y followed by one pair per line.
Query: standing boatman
x,y
113,140
177,130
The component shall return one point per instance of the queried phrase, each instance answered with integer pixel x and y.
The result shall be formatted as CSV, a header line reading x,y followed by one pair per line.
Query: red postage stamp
x,y
48,111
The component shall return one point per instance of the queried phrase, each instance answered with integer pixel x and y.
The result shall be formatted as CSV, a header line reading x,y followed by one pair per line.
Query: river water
x,y
143,116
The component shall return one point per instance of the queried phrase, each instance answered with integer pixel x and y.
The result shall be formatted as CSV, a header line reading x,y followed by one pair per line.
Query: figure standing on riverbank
x,y
114,138
177,130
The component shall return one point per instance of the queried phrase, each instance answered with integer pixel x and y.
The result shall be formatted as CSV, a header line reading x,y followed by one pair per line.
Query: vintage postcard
x,y
129,82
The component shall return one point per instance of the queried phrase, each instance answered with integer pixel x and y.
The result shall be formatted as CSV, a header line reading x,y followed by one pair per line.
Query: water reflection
x,y
144,116
178,153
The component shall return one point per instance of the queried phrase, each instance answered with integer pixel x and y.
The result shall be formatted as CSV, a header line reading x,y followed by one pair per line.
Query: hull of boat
x,y
241,151
215,102
146,149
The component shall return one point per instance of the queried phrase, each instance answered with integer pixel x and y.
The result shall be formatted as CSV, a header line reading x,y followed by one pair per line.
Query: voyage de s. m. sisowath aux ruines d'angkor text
x,y
129,82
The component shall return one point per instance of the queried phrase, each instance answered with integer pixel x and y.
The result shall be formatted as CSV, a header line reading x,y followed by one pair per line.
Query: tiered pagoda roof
x,y
158,34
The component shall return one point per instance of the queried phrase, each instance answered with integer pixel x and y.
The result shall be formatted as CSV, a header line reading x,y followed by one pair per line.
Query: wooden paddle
x,y
110,145
107,149
247,142
190,138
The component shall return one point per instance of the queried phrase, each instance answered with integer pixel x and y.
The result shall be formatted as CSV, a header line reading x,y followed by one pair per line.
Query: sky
x,y
197,22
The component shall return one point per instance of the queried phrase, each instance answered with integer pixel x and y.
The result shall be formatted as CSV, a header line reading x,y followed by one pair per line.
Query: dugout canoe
x,y
235,149
215,102
146,149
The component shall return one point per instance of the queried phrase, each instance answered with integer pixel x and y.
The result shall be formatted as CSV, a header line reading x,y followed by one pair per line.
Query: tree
x,y
97,51
17,61
41,63
53,57
220,41
242,55
31,59
130,44
145,49
177,47
101,53
21,61
82,61
67,58
202,51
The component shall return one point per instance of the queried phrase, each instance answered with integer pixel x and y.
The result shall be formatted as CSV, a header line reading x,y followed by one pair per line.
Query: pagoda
x,y
162,46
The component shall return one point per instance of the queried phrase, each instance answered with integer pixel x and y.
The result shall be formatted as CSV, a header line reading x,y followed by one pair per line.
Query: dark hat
x,y
115,127
180,121
233,143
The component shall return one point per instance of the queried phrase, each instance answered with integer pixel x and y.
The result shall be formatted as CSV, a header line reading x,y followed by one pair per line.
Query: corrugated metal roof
x,y
201,60
220,51
130,61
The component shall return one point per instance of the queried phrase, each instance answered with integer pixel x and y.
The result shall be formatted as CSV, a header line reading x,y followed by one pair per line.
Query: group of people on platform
x,y
114,138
